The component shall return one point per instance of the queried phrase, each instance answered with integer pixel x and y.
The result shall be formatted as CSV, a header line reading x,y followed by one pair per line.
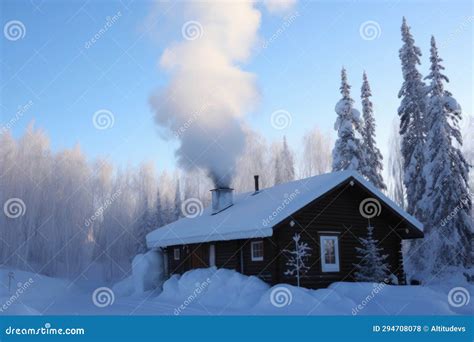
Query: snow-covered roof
x,y
254,215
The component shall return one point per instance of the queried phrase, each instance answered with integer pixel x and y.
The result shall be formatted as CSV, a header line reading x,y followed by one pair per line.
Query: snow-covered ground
x,y
225,292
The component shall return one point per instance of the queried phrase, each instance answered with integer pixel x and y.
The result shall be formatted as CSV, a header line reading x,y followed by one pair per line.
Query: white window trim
x,y
256,258
212,255
329,267
176,254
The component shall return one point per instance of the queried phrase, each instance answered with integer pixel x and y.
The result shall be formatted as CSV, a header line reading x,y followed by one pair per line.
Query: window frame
x,y
252,252
176,254
325,267
212,255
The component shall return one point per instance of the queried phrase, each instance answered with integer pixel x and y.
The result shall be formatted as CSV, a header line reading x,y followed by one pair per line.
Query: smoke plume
x,y
208,94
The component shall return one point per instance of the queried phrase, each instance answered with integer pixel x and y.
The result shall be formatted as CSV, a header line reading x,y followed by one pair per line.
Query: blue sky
x,y
298,71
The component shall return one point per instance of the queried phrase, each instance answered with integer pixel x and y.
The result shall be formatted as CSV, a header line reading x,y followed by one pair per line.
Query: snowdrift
x,y
214,289
225,291
30,293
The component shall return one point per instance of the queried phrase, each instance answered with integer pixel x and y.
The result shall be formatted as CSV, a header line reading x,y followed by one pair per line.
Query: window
x,y
329,253
212,255
177,254
256,248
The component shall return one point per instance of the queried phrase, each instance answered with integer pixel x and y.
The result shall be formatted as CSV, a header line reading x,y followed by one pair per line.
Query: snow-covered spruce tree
x,y
284,164
411,113
447,203
297,258
468,151
372,166
347,153
468,147
372,266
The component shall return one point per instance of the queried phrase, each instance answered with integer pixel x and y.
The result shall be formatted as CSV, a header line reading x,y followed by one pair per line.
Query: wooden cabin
x,y
250,232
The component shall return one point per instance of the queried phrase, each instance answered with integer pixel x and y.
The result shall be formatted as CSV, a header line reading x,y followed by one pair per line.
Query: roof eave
x,y
257,233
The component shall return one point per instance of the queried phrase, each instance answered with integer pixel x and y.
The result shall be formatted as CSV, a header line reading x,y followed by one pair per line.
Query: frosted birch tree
x,y
284,164
315,158
297,258
254,161
63,215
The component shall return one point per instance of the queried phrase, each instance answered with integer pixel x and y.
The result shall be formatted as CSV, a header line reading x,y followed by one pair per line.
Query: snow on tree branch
x,y
297,258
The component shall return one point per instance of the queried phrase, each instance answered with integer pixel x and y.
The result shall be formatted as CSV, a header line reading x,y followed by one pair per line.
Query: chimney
x,y
222,198
257,187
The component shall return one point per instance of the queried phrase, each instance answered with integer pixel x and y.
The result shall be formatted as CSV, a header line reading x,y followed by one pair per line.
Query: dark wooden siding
x,y
265,269
336,212
192,256
228,254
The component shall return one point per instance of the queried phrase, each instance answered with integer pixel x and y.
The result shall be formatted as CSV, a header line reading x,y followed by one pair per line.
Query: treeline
x,y
429,165
65,215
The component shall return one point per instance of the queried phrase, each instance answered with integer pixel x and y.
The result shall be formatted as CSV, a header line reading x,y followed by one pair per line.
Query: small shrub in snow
x,y
296,261
372,266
